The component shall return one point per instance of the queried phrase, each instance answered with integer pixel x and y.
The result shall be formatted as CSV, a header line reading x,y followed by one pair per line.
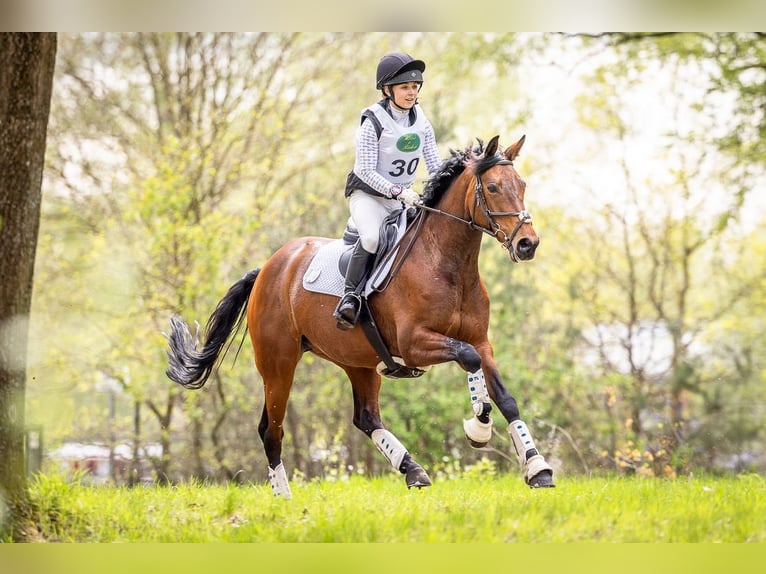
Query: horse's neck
x,y
453,245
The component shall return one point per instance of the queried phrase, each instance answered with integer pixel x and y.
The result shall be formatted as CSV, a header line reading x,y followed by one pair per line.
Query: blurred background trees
x,y
633,342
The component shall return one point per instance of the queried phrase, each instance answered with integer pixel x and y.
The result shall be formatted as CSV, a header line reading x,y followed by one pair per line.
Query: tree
x,y
179,160
733,63
26,78
658,276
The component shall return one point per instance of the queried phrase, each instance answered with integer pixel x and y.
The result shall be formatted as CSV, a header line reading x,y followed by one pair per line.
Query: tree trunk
x,y
26,78
162,465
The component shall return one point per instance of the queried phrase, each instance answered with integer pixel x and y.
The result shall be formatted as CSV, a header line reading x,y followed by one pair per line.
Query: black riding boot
x,y
347,311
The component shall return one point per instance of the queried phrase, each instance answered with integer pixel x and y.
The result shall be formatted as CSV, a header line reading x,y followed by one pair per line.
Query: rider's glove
x,y
409,197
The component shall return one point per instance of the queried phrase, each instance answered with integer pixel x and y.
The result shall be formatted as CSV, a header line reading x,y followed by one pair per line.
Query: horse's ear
x,y
491,147
513,151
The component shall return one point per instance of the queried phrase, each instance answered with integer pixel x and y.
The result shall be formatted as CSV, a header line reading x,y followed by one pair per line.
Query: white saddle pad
x,y
323,275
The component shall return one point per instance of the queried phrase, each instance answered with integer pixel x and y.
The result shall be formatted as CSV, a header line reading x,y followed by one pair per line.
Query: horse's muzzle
x,y
525,249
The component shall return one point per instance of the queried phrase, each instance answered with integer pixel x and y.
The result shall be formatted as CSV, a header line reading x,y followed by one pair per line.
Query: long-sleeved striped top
x,y
365,165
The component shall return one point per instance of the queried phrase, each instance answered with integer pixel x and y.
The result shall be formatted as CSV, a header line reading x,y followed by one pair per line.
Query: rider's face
x,y
404,95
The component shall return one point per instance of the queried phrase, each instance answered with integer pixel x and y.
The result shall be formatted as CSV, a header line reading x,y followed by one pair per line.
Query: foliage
x,y
656,284
731,66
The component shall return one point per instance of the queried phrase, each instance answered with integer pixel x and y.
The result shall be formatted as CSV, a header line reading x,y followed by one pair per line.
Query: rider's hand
x,y
409,197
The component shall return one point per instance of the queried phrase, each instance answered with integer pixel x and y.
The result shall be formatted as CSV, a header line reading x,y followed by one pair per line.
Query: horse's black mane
x,y
452,167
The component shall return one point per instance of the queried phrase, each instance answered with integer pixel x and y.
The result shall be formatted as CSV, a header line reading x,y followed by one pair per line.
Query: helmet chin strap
x,y
400,110
390,95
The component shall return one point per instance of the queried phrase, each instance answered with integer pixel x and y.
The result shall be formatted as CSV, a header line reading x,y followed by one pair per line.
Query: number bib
x,y
399,147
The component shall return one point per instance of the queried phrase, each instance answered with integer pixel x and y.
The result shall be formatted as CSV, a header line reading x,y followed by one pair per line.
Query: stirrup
x,y
349,299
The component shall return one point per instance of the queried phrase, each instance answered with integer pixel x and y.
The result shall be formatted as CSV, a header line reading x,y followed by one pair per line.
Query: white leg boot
x,y
389,446
530,467
279,485
477,432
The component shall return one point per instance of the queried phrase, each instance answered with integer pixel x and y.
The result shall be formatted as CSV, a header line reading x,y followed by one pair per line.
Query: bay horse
x,y
435,309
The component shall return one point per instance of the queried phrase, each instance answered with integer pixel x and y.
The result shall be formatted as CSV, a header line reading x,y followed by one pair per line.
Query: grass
x,y
469,509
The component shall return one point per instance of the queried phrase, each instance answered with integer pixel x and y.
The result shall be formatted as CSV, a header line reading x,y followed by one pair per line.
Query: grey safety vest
x,y
399,148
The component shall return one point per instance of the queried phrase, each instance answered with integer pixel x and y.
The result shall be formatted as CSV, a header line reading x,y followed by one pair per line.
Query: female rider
x,y
392,136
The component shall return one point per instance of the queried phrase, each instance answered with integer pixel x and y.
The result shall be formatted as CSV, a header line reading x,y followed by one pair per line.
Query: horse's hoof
x,y
543,479
477,433
476,444
418,478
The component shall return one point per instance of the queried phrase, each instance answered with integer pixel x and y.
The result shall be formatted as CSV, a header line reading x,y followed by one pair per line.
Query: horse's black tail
x,y
190,367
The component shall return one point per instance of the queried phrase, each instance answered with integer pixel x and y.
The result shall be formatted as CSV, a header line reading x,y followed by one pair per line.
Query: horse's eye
x,y
492,188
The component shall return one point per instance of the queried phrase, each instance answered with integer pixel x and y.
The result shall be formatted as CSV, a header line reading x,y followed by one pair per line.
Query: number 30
x,y
399,167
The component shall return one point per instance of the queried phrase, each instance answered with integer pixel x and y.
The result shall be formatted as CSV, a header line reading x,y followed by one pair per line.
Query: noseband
x,y
480,201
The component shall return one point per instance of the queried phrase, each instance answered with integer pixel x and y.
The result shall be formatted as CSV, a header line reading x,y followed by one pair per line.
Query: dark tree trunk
x,y
26,78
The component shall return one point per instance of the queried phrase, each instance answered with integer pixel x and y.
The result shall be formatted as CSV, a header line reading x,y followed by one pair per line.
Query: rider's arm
x,y
430,151
367,159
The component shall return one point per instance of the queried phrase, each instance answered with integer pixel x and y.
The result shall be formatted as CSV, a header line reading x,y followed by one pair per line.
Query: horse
x,y
434,309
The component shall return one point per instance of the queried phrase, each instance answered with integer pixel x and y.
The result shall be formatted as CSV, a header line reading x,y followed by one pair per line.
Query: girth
x,y
392,369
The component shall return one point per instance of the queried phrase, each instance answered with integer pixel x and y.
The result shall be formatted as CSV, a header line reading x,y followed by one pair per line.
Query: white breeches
x,y
368,212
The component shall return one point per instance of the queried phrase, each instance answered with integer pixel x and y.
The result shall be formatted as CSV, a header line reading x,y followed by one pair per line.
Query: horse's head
x,y
497,204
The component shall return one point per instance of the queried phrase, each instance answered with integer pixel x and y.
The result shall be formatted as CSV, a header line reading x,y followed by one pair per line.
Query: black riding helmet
x,y
398,68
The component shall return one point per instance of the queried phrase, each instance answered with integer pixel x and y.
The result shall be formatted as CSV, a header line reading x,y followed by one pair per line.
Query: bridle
x,y
480,201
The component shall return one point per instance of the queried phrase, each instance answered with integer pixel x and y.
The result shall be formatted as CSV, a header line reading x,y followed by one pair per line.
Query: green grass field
x,y
491,509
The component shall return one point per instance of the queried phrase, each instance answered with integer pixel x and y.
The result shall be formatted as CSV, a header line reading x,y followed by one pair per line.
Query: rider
x,y
388,149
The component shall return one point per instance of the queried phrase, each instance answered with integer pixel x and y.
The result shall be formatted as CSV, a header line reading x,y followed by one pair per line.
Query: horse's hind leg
x,y
366,388
277,370
272,444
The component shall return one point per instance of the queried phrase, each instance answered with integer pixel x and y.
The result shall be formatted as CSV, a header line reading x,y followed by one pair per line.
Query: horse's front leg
x,y
536,471
432,348
428,348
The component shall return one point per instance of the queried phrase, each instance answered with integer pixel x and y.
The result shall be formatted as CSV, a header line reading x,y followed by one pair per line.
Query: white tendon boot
x,y
279,484
522,443
477,432
389,446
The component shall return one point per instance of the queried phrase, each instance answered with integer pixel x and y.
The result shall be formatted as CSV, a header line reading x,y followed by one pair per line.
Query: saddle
x,y
326,274
327,271
390,234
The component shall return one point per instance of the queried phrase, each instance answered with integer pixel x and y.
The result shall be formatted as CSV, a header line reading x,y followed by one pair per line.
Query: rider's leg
x,y
347,310
368,212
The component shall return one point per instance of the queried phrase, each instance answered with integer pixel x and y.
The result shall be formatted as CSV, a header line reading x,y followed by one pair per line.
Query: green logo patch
x,y
408,142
